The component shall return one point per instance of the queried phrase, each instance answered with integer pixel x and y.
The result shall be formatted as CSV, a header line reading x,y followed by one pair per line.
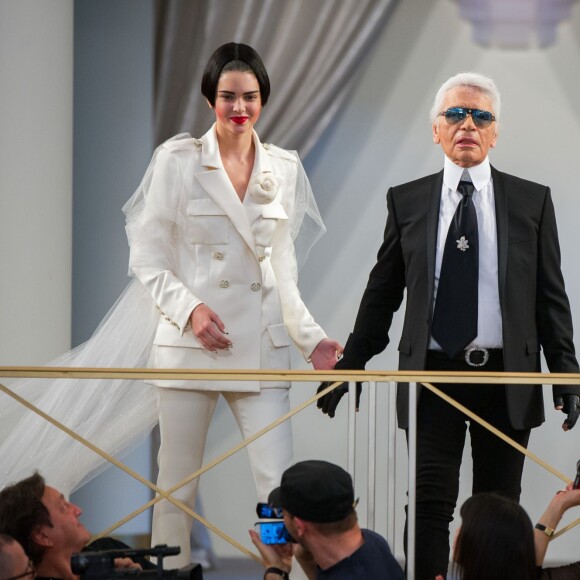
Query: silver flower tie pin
x,y
462,243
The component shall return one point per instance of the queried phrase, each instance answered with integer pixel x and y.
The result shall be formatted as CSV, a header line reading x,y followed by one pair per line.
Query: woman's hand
x,y
561,502
564,500
209,329
325,355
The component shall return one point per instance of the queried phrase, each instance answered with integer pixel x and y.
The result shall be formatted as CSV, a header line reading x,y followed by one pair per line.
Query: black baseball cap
x,y
316,491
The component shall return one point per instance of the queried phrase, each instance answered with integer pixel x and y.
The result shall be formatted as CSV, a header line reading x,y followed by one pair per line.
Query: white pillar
x,y
36,96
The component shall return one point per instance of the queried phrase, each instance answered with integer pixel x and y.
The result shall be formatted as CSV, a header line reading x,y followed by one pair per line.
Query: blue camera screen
x,y
273,533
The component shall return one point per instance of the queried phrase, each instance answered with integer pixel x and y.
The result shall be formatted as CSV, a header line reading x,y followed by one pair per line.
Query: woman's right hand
x,y
209,329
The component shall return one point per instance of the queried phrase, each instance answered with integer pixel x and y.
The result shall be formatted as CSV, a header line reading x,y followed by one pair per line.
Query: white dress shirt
x,y
489,323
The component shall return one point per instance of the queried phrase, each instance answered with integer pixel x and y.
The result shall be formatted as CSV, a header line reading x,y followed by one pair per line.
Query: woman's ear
x,y
209,104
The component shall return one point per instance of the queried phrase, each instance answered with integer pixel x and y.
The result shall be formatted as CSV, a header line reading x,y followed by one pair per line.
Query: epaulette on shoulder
x,y
276,151
187,144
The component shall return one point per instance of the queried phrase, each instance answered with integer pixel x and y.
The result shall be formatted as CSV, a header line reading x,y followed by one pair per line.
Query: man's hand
x,y
209,329
326,354
277,555
329,402
126,564
570,405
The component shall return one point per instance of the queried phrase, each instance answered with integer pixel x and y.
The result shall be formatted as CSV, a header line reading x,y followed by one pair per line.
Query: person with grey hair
x,y
477,251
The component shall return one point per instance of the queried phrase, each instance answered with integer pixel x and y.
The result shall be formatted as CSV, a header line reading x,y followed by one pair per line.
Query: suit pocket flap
x,y
274,211
532,346
404,346
279,335
204,207
169,335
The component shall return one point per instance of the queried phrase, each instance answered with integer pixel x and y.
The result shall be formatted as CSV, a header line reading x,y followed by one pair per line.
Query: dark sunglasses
x,y
456,115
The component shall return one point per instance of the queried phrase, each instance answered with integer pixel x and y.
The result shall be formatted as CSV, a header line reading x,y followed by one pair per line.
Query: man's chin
x,y
467,159
84,537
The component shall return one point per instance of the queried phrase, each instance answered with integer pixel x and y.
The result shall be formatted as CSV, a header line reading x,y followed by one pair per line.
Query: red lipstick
x,y
239,120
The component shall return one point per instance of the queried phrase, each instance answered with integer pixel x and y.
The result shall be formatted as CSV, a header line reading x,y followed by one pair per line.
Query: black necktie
x,y
455,315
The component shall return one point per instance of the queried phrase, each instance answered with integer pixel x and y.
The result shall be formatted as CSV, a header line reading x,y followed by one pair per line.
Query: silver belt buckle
x,y
473,349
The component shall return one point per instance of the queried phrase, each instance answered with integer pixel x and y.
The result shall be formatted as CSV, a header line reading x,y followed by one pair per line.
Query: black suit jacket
x,y
534,306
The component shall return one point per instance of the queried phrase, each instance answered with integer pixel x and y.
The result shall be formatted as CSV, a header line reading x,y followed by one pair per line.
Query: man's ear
x,y
41,536
301,525
494,140
435,128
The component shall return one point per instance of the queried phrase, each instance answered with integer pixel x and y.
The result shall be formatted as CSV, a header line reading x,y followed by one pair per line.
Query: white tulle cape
x,y
115,415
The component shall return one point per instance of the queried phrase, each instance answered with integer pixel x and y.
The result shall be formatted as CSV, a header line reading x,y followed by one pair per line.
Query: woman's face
x,y
238,103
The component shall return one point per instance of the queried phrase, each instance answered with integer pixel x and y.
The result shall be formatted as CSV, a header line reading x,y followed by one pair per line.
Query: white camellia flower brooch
x,y
263,187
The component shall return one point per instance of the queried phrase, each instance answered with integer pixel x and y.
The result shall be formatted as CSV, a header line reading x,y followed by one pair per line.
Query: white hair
x,y
468,79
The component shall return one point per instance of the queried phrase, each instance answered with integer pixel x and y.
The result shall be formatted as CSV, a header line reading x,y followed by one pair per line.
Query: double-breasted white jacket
x,y
196,242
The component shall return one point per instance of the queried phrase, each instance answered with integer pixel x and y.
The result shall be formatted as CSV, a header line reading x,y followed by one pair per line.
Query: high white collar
x,y
479,175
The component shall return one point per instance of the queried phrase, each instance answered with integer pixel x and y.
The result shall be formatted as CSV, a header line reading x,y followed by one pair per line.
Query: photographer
x,y
496,535
317,501
47,526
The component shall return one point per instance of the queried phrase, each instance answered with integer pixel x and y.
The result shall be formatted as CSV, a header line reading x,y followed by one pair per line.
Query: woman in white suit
x,y
212,242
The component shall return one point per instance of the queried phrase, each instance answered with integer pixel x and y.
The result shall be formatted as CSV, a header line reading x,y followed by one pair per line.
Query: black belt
x,y
474,356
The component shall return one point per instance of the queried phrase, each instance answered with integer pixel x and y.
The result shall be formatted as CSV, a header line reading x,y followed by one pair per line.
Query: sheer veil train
x,y
114,415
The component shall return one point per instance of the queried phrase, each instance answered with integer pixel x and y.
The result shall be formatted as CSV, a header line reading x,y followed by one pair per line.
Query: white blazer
x,y
196,242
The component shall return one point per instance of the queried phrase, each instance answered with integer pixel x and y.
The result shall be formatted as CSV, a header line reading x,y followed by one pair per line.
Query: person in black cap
x,y
317,500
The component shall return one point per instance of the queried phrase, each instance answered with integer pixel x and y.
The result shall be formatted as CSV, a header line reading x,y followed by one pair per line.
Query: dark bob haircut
x,y
22,513
234,57
496,540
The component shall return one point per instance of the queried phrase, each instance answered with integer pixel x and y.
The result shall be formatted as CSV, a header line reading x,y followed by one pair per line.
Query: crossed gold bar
x,y
422,377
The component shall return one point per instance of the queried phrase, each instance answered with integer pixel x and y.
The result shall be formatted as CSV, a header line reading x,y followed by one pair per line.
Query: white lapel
x,y
262,165
215,181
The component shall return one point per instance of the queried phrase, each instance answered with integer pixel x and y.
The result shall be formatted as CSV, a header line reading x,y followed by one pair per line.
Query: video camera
x,y
101,565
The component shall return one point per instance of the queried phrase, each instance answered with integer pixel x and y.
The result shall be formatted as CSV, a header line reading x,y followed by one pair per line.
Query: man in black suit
x,y
491,304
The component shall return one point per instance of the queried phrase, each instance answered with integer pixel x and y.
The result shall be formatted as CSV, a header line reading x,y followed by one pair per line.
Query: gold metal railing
x,y
425,378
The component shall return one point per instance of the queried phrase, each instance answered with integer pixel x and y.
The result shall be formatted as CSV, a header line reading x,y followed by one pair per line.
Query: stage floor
x,y
235,568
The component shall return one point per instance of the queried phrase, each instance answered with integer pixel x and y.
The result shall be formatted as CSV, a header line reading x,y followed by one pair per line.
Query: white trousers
x,y
184,419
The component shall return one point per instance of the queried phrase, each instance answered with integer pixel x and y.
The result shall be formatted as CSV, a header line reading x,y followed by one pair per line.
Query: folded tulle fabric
x,y
114,415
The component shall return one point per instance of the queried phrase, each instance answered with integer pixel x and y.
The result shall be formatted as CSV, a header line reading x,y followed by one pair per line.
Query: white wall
x,y
36,91
113,135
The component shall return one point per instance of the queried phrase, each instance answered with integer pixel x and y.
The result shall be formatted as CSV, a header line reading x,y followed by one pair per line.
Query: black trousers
x,y
441,429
